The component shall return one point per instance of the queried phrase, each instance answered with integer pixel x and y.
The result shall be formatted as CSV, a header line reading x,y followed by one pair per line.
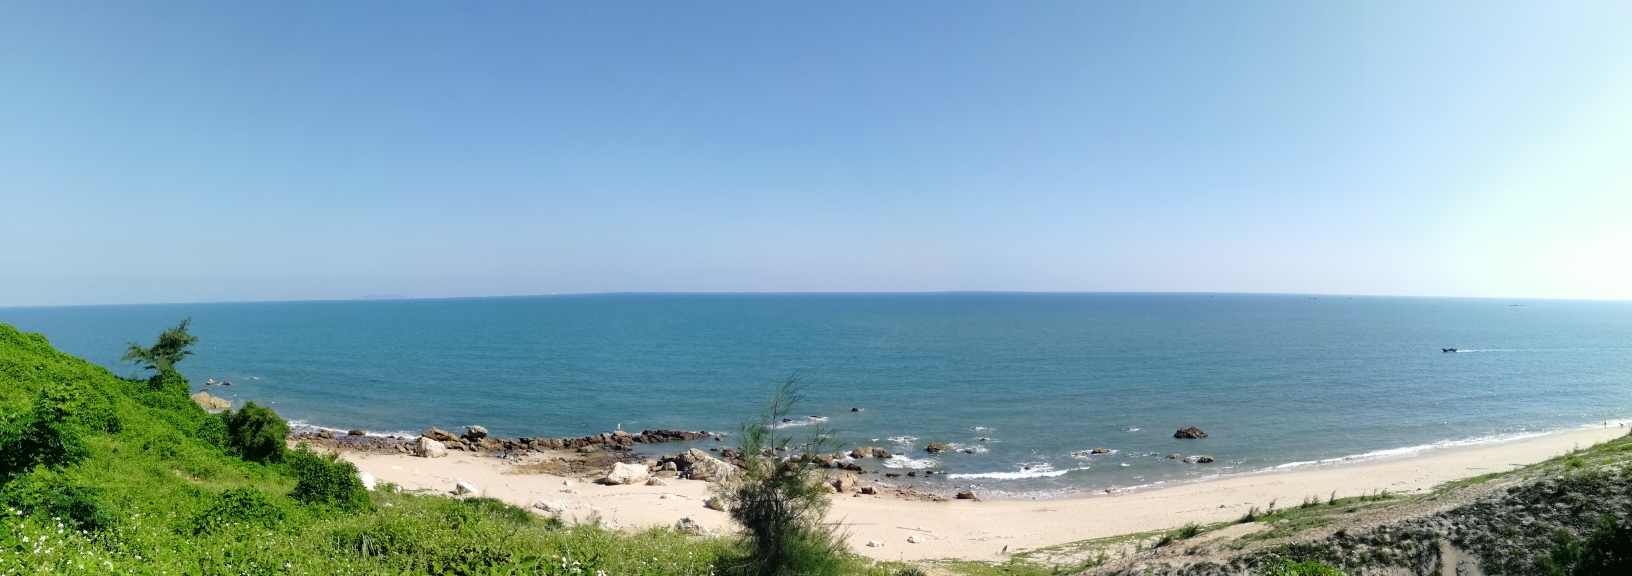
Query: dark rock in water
x,y
1204,459
787,419
912,474
225,383
855,409
355,433
891,475
936,448
968,495
1172,456
1191,432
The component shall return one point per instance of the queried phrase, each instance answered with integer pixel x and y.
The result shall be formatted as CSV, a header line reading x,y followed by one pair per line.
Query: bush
x,y
255,433
1607,551
326,480
238,506
1309,568
41,436
780,502
48,495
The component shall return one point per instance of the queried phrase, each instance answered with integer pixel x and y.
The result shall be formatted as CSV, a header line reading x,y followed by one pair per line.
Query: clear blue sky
x,y
172,151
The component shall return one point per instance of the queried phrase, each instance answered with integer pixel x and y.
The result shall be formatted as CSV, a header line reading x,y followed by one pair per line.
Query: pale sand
x,y
980,530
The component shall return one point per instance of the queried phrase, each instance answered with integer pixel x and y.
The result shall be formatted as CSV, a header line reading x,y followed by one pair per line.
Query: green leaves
x,y
170,349
255,433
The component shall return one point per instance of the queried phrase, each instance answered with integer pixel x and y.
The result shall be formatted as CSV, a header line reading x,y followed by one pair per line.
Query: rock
x,y
915,539
464,488
625,473
855,409
869,490
1172,456
1204,459
690,526
881,453
355,433
588,449
666,497
428,448
208,402
844,482
474,433
656,482
1190,433
714,503
968,495
1099,451
936,448
620,434
875,544
553,506
367,480
705,467
1198,459
325,434
861,452
439,435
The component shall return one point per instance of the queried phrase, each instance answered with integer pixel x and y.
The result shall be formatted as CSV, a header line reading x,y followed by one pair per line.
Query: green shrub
x,y
48,495
244,506
326,480
42,436
780,502
255,433
1309,568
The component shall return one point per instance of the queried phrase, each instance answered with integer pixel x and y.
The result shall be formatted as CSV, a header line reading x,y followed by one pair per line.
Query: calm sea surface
x,y
1020,380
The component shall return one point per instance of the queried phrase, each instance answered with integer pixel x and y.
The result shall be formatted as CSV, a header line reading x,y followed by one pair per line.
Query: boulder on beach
x,y
844,482
625,473
428,448
355,433
967,494
690,526
325,434
936,448
1190,433
552,507
714,503
474,433
705,467
208,402
464,488
439,435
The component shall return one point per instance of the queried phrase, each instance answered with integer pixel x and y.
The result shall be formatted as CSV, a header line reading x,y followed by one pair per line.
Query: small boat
x,y
1448,349
210,382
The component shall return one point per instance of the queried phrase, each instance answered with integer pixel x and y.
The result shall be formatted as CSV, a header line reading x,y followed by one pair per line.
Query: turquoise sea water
x,y
1273,379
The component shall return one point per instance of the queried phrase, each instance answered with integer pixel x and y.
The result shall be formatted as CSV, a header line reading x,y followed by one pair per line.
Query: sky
x,y
232,151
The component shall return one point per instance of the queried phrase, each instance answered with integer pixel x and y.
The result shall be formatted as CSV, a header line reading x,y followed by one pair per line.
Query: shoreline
x,y
982,530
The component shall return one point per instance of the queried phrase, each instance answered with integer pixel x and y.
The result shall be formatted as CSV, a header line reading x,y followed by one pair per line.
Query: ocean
x,y
1018,384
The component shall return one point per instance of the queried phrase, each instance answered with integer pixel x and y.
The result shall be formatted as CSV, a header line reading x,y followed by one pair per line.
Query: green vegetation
x,y
170,349
105,475
780,499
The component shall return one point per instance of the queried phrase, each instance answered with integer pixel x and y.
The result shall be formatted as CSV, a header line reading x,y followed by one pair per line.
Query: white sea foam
x,y
906,441
901,461
975,448
1414,450
792,422
1036,471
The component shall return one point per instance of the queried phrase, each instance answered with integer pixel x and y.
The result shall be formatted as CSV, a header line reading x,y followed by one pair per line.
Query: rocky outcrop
x,y
968,495
936,448
208,402
474,433
625,473
1198,459
701,466
690,526
440,435
1190,433
464,488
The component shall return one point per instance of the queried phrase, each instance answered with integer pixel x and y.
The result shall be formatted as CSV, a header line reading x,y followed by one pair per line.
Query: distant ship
x,y
1448,349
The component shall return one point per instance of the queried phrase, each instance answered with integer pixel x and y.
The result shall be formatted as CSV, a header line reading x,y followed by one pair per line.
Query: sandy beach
x,y
982,530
